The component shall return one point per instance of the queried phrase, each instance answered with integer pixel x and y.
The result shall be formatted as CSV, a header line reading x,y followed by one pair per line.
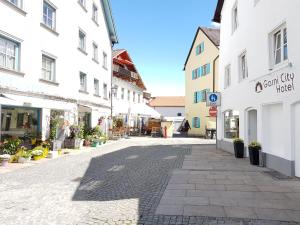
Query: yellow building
x,y
201,75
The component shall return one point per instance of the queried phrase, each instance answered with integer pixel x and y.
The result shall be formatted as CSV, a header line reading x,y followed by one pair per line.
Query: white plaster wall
x,y
252,35
170,111
69,18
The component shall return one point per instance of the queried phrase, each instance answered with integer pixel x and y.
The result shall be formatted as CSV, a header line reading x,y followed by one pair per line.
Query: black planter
x,y
254,155
239,149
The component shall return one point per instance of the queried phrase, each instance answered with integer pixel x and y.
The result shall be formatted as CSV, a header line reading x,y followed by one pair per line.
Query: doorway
x,y
296,133
252,125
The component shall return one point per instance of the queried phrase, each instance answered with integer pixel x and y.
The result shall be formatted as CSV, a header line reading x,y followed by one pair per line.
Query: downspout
x,y
111,80
214,73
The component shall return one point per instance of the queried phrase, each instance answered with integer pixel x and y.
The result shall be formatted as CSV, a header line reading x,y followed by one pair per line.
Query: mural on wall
x,y
281,83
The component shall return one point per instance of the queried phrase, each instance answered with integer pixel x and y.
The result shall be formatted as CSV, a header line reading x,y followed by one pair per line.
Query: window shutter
x,y
197,50
202,47
200,71
198,122
208,68
193,74
193,122
195,97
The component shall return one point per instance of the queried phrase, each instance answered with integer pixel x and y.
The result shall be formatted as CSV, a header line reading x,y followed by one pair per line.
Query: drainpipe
x,y
111,79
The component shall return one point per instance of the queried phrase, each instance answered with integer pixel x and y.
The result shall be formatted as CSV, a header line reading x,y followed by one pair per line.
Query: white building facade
x,y
55,56
259,69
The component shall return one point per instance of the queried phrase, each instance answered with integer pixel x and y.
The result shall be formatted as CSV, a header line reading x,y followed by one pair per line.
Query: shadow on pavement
x,y
140,172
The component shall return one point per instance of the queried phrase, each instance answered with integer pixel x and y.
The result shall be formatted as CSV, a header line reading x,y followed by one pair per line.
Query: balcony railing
x,y
125,72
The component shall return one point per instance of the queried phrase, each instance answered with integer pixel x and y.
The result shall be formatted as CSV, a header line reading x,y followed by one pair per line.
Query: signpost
x,y
213,100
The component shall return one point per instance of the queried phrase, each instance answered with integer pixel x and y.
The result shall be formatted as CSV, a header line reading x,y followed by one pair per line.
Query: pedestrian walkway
x,y
212,183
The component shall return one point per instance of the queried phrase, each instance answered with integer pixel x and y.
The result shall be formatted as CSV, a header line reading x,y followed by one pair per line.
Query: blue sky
x,y
158,35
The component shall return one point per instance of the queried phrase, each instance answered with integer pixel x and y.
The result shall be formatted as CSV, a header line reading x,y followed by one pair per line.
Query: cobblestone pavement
x,y
121,183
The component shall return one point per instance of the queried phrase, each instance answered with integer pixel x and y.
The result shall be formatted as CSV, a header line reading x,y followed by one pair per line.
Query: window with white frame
x,y
95,13
49,15
96,87
83,82
122,93
227,77
243,66
48,68
105,60
279,45
133,96
82,3
231,124
9,54
95,52
115,92
18,3
82,40
235,22
139,98
105,91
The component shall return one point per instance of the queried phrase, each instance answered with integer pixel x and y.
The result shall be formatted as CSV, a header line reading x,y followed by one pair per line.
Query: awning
x,y
120,108
144,110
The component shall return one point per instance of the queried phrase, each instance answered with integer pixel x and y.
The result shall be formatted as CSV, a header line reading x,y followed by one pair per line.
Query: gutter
x,y
109,21
214,73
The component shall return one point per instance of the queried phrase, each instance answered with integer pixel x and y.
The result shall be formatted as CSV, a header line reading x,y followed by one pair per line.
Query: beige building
x,y
201,76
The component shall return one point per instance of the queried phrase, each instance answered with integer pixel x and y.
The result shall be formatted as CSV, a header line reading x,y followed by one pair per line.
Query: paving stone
x,y
170,209
240,212
212,187
214,211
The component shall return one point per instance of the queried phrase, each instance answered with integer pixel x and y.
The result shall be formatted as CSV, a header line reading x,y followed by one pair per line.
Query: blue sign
x,y
213,98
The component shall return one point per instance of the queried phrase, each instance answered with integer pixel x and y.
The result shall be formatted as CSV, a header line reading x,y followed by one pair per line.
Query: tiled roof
x,y
168,101
117,52
213,34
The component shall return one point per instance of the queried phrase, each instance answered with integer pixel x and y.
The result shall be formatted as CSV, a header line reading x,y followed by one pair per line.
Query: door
x,y
296,135
252,126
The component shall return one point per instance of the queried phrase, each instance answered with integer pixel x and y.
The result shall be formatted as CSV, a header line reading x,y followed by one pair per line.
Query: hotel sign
x,y
281,83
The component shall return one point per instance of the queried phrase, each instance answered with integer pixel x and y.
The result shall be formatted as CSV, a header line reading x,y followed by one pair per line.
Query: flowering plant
x,y
255,145
76,132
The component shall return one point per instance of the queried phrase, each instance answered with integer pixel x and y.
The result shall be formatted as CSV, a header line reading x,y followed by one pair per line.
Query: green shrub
x,y
238,140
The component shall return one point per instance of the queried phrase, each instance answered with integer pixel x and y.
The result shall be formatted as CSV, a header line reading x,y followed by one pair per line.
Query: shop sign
x,y
281,83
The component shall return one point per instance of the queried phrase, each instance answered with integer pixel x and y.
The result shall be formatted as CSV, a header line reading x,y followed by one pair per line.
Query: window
x,y
200,48
179,114
231,124
9,54
243,66
133,96
139,98
95,13
49,15
122,93
115,91
196,122
82,40
105,91
128,95
82,3
227,78
234,18
104,60
96,87
83,82
205,69
18,3
279,43
95,52
200,96
48,68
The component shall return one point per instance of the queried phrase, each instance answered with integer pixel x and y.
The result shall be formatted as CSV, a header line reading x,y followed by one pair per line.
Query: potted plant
x,y
254,150
24,156
75,140
4,159
87,140
37,154
238,145
10,146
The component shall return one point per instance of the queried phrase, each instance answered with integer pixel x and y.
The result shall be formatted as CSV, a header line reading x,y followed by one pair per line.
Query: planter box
x,y
73,143
254,155
239,150
38,157
56,145
96,143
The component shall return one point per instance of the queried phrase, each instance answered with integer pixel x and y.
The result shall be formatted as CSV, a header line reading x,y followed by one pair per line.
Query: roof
x,y
109,21
167,101
213,34
217,16
119,54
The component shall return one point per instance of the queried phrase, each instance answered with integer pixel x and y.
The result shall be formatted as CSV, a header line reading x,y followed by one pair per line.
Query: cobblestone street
x,y
134,181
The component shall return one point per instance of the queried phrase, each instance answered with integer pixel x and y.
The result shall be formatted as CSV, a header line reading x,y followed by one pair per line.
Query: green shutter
x,y
200,71
198,122
202,47
193,74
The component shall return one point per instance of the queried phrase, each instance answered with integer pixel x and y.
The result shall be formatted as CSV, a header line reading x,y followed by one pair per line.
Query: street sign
x,y
213,99
213,111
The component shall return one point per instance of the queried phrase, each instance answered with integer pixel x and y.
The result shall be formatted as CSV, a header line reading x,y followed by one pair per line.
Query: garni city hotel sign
x,y
280,82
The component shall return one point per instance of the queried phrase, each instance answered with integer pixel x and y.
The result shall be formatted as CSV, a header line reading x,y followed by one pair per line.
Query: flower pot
x,y
23,160
239,150
254,155
4,162
86,143
37,157
73,143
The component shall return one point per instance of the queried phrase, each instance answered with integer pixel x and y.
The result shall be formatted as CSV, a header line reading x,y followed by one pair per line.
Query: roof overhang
x,y
109,21
217,16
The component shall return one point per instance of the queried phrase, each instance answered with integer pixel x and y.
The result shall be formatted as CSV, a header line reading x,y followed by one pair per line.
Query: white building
x,y
259,64
55,59
128,92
